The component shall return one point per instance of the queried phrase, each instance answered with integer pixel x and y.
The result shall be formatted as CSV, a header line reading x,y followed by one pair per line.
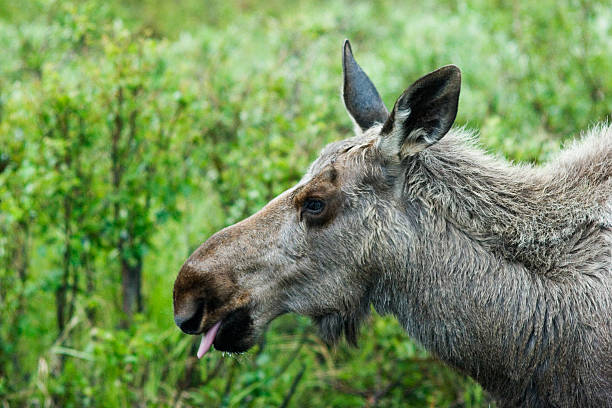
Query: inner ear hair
x,y
423,114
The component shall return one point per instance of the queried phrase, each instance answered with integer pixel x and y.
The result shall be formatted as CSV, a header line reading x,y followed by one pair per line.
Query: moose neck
x,y
526,215
471,309
476,282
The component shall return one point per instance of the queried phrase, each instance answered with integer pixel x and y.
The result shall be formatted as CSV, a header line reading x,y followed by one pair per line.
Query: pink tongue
x,y
207,339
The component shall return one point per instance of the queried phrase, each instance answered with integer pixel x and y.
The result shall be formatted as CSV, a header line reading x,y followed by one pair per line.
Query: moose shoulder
x,y
502,271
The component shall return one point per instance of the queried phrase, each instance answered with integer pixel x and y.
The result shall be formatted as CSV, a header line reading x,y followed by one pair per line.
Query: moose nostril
x,y
190,323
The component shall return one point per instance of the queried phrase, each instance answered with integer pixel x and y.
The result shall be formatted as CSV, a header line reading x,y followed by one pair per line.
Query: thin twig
x,y
294,385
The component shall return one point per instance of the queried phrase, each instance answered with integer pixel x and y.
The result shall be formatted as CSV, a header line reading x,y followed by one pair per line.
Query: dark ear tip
x,y
347,46
451,71
347,52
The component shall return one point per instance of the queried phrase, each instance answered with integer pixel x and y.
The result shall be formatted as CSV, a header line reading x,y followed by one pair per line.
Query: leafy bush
x,y
131,131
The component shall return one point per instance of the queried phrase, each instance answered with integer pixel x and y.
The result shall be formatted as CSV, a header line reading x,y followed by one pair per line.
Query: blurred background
x,y
130,131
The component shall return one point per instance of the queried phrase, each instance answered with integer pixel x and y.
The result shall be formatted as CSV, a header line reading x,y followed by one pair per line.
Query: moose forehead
x,y
341,154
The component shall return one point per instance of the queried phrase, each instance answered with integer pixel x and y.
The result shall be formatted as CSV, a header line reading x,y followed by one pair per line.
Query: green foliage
x,y
131,131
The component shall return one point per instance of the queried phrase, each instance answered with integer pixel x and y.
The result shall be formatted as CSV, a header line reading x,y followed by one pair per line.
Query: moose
x,y
501,270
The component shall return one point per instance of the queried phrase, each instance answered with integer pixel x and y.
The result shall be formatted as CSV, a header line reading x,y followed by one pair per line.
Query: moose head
x,y
319,248
500,270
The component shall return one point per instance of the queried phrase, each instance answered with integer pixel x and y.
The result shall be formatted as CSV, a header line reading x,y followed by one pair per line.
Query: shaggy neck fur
x,y
532,216
507,274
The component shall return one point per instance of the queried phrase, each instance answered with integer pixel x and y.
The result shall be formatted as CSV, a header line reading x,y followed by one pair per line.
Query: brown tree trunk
x,y
17,259
130,270
61,293
131,276
89,286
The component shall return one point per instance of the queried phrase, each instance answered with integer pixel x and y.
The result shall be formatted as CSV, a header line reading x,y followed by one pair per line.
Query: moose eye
x,y
313,206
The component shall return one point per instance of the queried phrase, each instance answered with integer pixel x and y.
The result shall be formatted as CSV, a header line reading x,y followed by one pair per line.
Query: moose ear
x,y
360,96
422,114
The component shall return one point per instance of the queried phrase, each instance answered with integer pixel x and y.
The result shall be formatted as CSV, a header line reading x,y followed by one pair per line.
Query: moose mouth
x,y
234,333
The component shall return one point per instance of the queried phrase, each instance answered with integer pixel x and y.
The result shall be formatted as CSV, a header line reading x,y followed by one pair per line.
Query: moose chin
x,y
503,271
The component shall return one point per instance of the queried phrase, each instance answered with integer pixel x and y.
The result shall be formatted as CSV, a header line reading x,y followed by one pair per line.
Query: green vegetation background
x,y
130,131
